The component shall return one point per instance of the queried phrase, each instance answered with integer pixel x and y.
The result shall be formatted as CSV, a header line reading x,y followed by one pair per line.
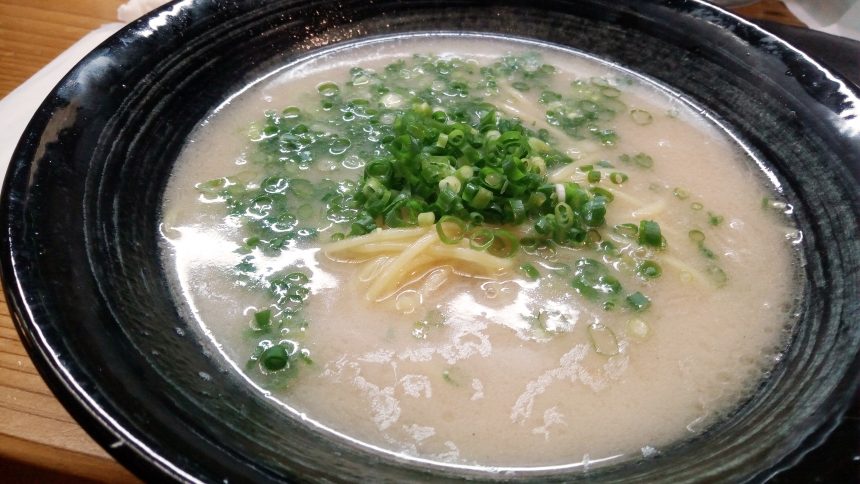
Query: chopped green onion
x,y
301,188
649,234
328,89
696,206
617,177
481,239
516,210
706,251
717,275
648,269
530,271
442,140
450,182
275,358
643,160
464,173
592,280
539,145
626,230
297,277
610,92
564,215
603,193
638,301
714,219
603,340
697,235
504,244
638,328
594,211
444,225
680,193
426,219
263,319
641,117
456,137
593,176
291,112
481,199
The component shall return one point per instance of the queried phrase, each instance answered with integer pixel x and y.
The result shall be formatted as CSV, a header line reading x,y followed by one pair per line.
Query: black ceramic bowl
x,y
81,260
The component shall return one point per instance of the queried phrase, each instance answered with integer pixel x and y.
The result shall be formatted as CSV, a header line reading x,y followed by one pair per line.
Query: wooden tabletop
x,y
39,441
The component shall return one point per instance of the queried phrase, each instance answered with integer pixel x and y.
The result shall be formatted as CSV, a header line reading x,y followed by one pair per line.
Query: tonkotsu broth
x,y
507,372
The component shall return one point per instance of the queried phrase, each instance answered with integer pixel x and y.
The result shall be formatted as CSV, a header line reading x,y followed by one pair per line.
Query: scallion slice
x,y
603,340
426,219
481,239
697,235
564,215
263,319
649,234
504,244
275,358
649,269
450,229
530,271
638,301
617,177
626,230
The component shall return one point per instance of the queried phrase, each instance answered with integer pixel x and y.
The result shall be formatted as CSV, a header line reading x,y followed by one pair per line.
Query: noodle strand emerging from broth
x,y
407,253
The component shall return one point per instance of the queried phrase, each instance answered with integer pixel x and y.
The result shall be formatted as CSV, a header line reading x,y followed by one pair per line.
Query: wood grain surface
x,y
39,441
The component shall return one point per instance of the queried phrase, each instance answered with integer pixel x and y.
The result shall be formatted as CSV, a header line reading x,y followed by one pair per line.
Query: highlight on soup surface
x,y
481,252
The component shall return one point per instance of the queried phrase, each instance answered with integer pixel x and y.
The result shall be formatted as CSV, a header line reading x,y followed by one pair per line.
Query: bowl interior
x,y
87,284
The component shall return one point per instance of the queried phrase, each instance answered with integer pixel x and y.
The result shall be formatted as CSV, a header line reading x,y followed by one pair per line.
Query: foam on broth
x,y
485,388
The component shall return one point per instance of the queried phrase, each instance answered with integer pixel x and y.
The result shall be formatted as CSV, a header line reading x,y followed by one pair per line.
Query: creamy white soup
x,y
481,252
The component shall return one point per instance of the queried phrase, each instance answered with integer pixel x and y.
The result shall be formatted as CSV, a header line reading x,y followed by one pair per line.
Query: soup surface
x,y
610,275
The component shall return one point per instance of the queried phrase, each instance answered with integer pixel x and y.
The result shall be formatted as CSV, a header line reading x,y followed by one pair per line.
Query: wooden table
x,y
39,441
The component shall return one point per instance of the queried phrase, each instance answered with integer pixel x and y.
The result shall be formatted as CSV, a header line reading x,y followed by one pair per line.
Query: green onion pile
x,y
417,144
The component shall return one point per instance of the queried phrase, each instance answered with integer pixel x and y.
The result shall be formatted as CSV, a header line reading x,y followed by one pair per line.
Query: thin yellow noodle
x,y
681,266
567,173
399,265
485,261
524,117
527,115
396,253
419,267
490,263
379,248
462,261
625,197
372,268
671,234
387,235
653,209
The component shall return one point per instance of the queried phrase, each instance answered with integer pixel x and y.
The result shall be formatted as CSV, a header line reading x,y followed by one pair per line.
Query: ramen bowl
x,y
89,292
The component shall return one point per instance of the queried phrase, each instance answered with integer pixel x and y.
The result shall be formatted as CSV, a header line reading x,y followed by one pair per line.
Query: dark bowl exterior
x,y
88,290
